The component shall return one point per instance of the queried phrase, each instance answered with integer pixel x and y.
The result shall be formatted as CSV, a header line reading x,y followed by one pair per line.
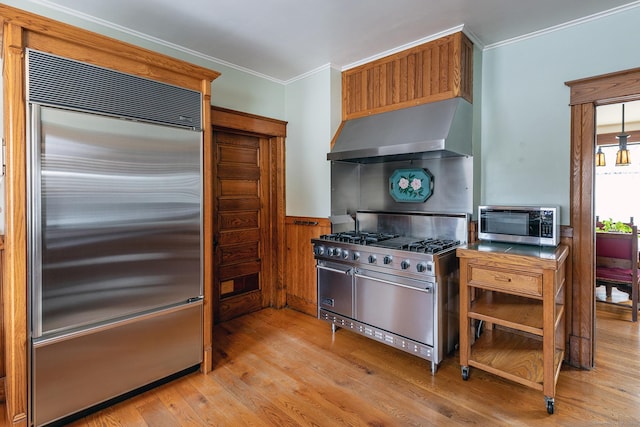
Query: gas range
x,y
383,251
391,286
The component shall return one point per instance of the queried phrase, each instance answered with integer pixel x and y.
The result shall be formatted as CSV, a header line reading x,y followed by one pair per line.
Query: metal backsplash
x,y
357,187
433,225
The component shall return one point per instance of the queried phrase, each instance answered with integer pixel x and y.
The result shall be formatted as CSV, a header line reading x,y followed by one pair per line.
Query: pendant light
x,y
622,156
600,161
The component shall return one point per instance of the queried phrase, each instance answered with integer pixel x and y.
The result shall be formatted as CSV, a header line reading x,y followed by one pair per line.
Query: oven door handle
x,y
428,289
348,272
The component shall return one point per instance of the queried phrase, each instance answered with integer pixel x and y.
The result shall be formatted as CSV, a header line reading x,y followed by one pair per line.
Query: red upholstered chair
x,y
617,264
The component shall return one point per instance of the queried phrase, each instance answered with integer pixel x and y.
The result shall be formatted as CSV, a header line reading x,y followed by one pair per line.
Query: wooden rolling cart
x,y
512,313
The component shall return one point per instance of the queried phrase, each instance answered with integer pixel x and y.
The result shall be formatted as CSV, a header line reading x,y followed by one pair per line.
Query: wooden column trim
x,y
586,94
207,213
582,220
14,273
278,212
3,369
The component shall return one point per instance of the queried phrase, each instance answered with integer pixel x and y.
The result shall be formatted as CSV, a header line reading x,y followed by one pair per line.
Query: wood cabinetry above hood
x,y
434,71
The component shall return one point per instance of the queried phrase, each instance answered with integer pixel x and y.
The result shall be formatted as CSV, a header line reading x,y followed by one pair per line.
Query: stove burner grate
x,y
431,246
359,238
392,241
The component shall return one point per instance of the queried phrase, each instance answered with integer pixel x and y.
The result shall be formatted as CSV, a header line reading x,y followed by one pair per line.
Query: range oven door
x,y
335,288
396,304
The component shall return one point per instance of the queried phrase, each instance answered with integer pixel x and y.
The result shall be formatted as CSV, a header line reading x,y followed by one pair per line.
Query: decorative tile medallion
x,y
411,185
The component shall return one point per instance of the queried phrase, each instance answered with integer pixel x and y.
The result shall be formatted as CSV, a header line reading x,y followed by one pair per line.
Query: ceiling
x,y
284,39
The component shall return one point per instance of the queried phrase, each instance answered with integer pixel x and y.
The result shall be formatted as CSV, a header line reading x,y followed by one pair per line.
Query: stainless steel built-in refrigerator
x,y
115,235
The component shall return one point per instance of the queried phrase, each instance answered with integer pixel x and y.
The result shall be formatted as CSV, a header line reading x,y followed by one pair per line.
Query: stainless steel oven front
x,y
335,287
394,303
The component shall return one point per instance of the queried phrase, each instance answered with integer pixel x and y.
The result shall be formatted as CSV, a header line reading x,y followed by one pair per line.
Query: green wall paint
x,y
311,116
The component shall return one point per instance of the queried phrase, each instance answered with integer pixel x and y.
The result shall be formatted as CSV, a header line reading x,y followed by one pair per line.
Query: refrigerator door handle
x,y
35,221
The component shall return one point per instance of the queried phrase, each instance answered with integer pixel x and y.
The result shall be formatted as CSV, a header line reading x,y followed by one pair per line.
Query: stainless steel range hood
x,y
437,129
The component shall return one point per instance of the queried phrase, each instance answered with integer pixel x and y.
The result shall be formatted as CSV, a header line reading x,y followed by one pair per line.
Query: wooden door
x,y
241,194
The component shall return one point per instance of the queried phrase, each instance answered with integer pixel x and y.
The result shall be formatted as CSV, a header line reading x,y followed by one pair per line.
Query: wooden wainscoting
x,y
300,271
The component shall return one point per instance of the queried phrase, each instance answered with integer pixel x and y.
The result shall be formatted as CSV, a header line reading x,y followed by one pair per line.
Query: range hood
x,y
437,129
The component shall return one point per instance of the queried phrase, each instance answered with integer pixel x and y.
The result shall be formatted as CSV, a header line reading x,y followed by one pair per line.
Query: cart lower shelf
x,y
514,356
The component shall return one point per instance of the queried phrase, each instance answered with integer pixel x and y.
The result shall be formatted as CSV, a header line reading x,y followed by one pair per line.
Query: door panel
x,y
233,271
238,224
238,171
236,154
240,220
230,187
238,204
231,253
242,236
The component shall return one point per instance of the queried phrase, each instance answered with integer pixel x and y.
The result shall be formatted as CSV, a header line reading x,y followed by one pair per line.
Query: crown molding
x,y
565,25
404,47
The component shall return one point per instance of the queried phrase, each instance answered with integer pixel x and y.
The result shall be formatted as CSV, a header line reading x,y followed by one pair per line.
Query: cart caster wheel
x,y
550,406
465,373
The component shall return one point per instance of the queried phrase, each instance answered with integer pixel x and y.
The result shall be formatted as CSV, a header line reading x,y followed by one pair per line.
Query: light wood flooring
x,y
285,368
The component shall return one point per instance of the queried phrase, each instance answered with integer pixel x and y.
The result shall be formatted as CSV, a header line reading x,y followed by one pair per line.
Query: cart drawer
x,y
506,280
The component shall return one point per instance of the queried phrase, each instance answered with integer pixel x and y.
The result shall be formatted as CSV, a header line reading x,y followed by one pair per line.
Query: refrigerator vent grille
x,y
64,82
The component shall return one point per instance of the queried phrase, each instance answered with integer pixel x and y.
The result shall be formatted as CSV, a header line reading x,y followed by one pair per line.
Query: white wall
x,y
311,113
525,105
245,92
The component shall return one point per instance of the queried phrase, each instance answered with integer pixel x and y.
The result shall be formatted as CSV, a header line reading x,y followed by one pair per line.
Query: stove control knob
x,y
422,267
345,254
337,252
372,259
406,264
318,250
387,259
356,256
